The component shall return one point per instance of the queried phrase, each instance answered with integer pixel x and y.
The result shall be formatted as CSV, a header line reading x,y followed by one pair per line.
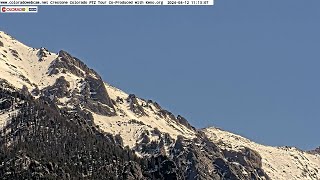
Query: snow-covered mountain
x,y
177,150
277,162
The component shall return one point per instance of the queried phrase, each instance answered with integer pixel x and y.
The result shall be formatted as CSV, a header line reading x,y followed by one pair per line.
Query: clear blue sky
x,y
250,67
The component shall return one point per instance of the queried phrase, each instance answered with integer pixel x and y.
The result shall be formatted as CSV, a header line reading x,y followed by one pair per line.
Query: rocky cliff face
x,y
60,120
316,151
92,93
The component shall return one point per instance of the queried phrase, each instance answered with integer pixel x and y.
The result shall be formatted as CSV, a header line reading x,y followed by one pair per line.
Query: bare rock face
x,y
179,119
73,65
155,104
59,89
184,122
135,106
15,54
93,94
35,91
166,114
97,90
42,53
316,151
246,158
198,159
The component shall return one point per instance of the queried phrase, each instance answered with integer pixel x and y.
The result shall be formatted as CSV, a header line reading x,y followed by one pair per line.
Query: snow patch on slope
x,y
21,65
130,125
5,117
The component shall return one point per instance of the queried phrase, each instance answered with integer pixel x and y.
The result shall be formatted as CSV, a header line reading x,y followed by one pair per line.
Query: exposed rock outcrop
x,y
94,96
135,106
316,151
42,53
59,89
184,122
73,65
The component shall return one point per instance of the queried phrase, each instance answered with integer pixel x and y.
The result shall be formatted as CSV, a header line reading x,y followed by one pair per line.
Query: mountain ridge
x,y
143,125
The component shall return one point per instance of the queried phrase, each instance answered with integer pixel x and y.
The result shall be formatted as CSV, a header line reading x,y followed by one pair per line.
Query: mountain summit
x,y
59,119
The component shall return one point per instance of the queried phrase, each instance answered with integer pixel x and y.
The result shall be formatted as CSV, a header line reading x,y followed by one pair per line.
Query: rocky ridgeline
x,y
316,151
201,159
135,107
50,133
71,64
43,141
93,94
41,120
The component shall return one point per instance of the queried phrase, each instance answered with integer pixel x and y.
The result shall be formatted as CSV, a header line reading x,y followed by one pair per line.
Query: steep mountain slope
x,y
143,117
43,142
23,65
75,86
166,146
277,162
